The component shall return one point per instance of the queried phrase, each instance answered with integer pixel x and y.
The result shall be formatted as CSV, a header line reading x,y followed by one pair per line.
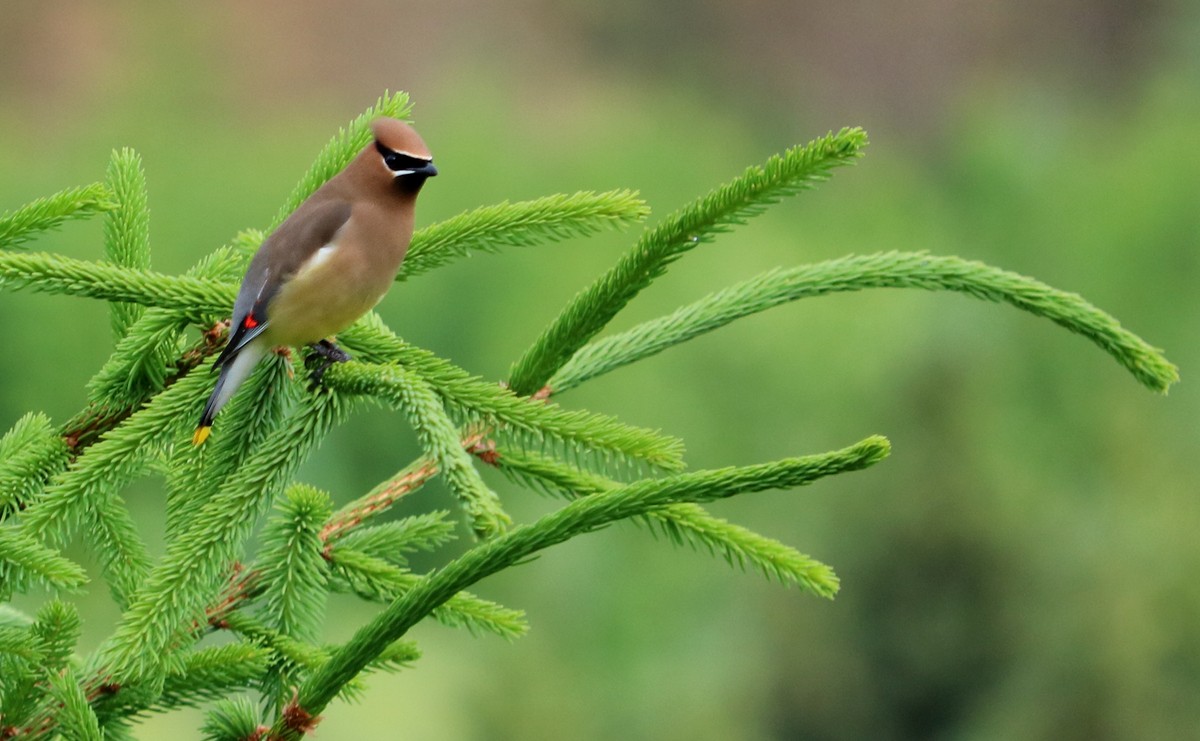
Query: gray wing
x,y
308,229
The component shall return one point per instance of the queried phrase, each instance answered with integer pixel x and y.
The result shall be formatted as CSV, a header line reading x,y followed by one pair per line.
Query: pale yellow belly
x,y
323,301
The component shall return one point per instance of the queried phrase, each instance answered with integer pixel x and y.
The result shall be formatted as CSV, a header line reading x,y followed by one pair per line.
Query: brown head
x,y
397,160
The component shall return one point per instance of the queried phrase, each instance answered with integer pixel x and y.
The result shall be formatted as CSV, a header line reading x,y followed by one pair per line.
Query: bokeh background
x,y
1024,566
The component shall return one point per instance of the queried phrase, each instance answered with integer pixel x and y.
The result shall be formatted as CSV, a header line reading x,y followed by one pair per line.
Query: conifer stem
x,y
581,516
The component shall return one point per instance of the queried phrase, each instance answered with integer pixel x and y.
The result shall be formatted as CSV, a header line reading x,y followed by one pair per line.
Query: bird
x,y
328,263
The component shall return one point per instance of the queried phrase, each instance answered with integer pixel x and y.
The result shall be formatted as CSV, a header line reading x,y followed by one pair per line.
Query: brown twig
x,y
86,427
382,497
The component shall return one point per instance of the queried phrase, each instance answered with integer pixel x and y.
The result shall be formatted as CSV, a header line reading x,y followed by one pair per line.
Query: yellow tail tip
x,y
200,435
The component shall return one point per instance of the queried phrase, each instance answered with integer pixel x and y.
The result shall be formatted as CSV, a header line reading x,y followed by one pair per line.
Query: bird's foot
x,y
322,355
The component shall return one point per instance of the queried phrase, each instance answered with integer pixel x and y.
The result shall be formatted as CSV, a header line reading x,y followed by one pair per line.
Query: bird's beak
x,y
427,169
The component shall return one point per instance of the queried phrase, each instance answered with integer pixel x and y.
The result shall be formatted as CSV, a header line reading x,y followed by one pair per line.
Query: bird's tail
x,y
232,374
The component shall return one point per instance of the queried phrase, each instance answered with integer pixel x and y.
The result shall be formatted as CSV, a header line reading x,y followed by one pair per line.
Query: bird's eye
x,y
398,161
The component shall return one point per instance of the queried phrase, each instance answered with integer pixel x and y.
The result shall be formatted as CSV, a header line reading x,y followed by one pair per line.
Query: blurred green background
x,y
1024,566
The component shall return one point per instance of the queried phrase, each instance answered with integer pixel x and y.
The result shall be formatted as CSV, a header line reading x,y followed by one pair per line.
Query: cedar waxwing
x,y
331,261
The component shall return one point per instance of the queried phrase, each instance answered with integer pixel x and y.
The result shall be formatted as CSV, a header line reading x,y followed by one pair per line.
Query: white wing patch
x,y
318,258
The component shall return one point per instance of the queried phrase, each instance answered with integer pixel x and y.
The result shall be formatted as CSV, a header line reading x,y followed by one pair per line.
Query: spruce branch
x,y
148,359
342,148
58,274
201,676
195,475
16,643
489,403
96,419
859,272
683,523
578,517
74,718
56,629
50,640
439,437
174,595
139,365
23,558
372,578
20,696
392,540
400,655
550,219
544,422
127,227
233,720
87,492
291,568
269,646
246,243
797,169
44,214
143,359
379,499
242,586
30,453
290,658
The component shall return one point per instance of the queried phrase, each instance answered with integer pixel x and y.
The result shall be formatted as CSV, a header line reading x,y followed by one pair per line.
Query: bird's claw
x,y
322,355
